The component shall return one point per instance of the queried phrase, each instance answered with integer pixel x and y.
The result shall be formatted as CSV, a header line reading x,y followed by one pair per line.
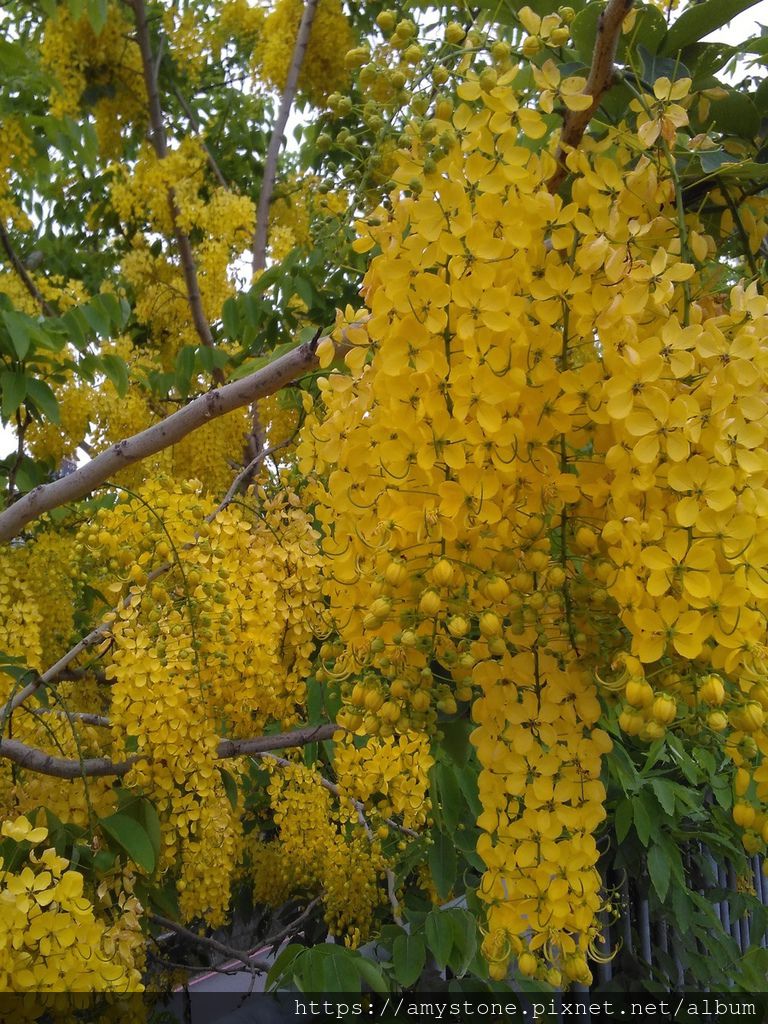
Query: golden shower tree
x,y
383,543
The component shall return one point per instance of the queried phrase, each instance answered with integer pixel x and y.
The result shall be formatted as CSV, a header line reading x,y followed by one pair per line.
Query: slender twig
x,y
245,957
42,763
337,792
600,79
390,875
243,478
21,429
21,270
191,117
276,139
76,716
151,66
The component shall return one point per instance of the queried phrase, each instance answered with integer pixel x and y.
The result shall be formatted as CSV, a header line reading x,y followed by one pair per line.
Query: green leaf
x,y
466,776
736,114
451,800
464,927
623,819
584,31
442,863
713,160
372,975
77,328
185,367
665,794
104,860
698,21
131,837
111,307
116,370
649,31
230,317
642,820
43,398
660,870
305,290
149,817
438,929
338,970
97,319
283,965
13,387
408,956
20,329
722,791
682,908
97,15
705,59
230,787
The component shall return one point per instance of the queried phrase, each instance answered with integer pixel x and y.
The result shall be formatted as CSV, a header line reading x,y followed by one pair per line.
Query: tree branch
x,y
242,956
169,431
21,270
92,767
151,68
276,139
599,80
74,716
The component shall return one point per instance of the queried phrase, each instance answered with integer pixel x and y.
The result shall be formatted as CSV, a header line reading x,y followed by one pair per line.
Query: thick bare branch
x,y
276,139
61,767
162,435
278,741
21,270
599,80
67,768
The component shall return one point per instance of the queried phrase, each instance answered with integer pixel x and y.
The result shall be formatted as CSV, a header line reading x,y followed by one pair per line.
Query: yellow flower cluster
x,y
287,544
56,441
63,293
218,646
318,848
221,219
389,775
239,22
211,454
50,937
548,449
279,415
37,600
15,151
102,70
323,70
296,214
187,36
